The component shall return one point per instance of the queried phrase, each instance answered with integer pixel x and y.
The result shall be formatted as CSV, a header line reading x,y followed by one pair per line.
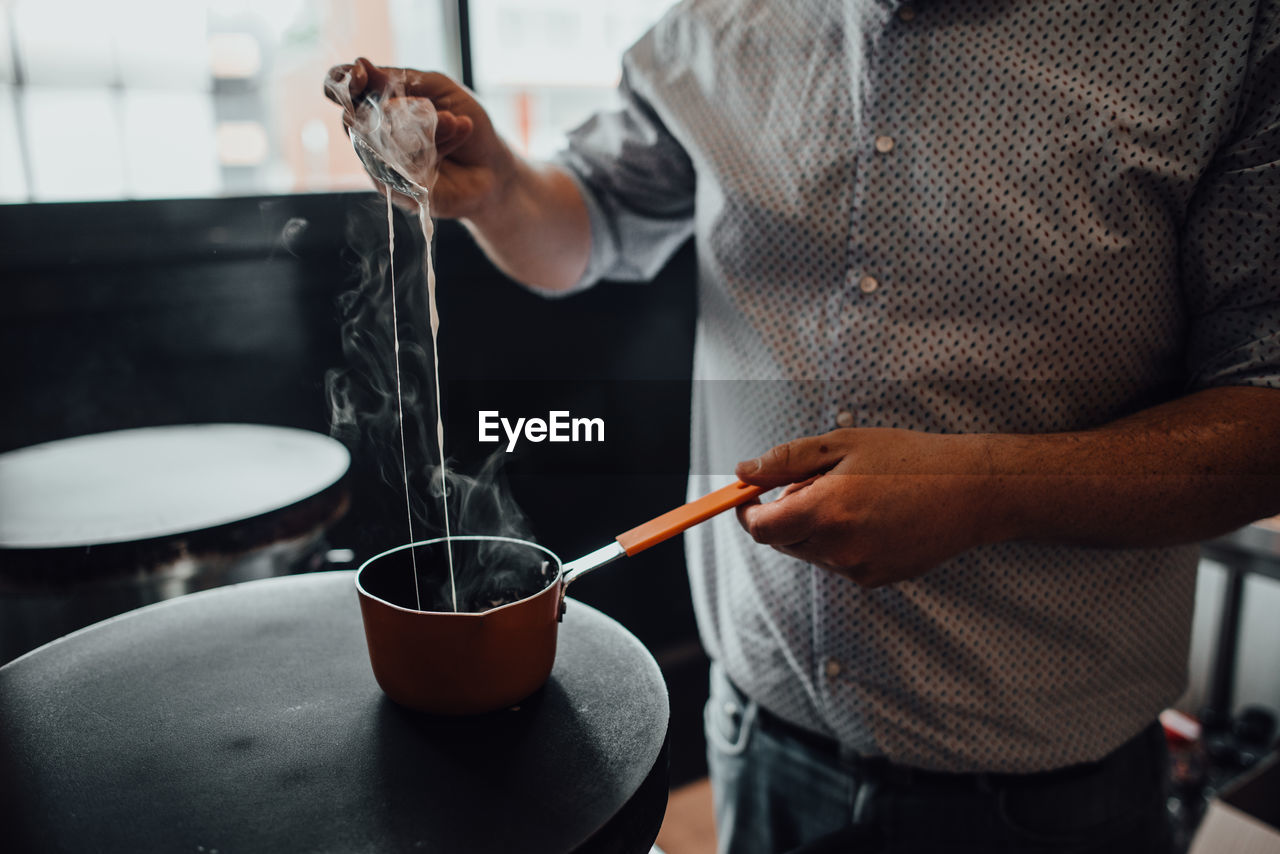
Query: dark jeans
x,y
777,791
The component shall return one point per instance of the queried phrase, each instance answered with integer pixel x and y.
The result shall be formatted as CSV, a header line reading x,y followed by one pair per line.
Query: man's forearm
x,y
1180,472
537,232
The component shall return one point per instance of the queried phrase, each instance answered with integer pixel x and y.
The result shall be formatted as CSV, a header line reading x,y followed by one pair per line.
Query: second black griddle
x,y
247,719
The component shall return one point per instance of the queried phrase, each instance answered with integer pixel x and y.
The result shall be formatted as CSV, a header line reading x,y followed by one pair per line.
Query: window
x,y
542,66
118,99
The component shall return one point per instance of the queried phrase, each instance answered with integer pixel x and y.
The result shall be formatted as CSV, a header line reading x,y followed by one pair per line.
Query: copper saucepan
x,y
469,662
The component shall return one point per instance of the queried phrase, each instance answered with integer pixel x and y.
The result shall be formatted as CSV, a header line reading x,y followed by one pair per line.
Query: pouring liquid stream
x,y
424,220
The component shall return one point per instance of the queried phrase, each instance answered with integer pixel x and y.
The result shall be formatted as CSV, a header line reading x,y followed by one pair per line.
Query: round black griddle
x,y
95,525
247,719
156,482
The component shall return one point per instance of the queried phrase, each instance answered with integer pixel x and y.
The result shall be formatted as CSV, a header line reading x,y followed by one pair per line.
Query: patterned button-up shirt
x,y
955,217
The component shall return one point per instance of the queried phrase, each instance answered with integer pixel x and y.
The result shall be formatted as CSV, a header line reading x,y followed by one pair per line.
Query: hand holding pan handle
x,y
662,528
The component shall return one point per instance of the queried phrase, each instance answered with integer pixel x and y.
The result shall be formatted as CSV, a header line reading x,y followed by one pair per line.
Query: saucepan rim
x,y
559,573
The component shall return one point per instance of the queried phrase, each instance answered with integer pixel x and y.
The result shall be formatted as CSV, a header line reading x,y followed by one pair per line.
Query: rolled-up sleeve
x,y
636,178
1231,243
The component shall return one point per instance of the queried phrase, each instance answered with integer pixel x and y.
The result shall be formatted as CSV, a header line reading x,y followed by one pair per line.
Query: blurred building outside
x,y
135,99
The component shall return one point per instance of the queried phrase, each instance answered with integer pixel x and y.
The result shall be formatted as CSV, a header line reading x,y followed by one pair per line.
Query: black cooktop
x,y
247,719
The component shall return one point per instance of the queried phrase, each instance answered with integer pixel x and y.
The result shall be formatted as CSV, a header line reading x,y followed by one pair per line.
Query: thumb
x,y
452,131
368,78
791,462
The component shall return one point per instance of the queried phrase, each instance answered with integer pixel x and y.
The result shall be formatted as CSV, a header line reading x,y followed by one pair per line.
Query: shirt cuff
x,y
602,254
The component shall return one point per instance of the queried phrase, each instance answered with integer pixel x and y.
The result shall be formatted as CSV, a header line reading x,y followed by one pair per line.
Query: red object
x,y
675,521
524,119
465,663
1180,729
462,663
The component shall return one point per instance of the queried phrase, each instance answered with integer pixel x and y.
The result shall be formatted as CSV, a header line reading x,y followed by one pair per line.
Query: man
x,y
993,287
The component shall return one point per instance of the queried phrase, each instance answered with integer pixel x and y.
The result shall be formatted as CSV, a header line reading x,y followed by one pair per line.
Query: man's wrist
x,y
499,211
996,497
535,227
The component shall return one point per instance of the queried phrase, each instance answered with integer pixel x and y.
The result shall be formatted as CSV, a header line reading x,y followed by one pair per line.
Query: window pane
x,y
6,48
73,142
169,144
13,181
161,44
543,66
175,98
65,43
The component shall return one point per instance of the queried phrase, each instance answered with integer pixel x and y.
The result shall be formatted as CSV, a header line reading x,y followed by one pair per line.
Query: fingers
x,y
362,78
451,132
811,555
346,84
361,71
794,461
782,522
796,487
337,86
367,77
403,82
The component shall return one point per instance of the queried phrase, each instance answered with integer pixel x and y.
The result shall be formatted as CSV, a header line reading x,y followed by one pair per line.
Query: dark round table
x,y
246,719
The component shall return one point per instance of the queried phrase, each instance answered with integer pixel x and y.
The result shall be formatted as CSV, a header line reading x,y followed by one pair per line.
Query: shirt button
x,y
884,144
868,284
832,668
906,13
845,419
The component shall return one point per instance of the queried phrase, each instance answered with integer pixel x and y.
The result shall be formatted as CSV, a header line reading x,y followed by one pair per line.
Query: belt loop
x,y
746,707
865,791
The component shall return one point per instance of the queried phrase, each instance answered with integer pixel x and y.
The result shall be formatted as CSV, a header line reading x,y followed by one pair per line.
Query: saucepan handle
x,y
676,521
662,528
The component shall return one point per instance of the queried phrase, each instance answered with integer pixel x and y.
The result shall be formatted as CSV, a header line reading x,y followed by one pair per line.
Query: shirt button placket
x,y
883,145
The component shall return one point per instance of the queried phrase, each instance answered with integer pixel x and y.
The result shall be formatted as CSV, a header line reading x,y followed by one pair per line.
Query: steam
x,y
402,130
292,233
491,572
362,396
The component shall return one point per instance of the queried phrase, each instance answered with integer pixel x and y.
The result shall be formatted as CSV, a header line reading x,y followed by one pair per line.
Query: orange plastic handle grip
x,y
673,522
